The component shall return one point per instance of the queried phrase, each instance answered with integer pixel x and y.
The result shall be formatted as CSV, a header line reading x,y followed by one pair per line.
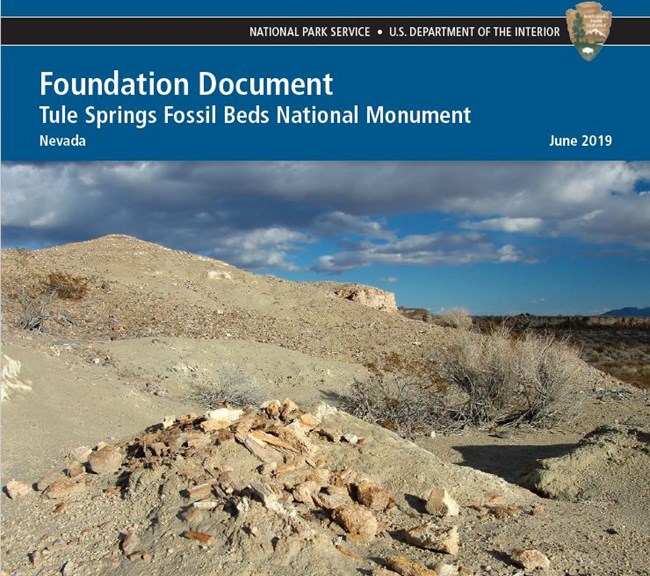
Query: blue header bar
x,y
380,103
295,8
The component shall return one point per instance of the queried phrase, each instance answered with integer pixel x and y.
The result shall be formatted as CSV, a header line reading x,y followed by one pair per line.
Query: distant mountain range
x,y
630,312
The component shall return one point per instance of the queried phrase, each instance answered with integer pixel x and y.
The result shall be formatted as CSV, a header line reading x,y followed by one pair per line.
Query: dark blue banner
x,y
325,103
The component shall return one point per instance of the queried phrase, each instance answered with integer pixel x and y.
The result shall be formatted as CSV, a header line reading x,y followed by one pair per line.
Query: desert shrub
x,y
234,387
397,402
34,308
66,286
397,363
492,379
402,394
456,318
510,380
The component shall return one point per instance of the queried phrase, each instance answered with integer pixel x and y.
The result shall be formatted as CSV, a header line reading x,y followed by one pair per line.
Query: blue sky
x,y
496,238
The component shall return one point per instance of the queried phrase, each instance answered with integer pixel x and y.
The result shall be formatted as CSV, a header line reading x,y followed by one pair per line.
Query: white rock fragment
x,y
530,559
106,460
265,494
431,537
219,275
243,507
440,503
207,504
10,378
80,454
167,422
444,569
183,368
16,489
324,410
351,439
224,414
305,492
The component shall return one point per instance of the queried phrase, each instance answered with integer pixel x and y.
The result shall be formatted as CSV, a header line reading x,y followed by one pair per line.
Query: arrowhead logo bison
x,y
589,27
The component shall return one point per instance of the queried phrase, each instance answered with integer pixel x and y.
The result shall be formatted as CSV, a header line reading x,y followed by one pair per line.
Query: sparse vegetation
x,y
34,308
35,295
234,387
618,346
510,380
66,286
492,379
400,403
402,395
456,318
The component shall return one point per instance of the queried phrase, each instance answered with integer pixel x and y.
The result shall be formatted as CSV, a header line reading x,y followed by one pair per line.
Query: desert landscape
x,y
168,413
617,345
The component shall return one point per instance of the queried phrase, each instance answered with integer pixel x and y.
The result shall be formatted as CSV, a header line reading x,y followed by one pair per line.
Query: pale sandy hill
x,y
141,289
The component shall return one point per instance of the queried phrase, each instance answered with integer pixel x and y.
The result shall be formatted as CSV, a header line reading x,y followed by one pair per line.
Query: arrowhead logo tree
x,y
589,27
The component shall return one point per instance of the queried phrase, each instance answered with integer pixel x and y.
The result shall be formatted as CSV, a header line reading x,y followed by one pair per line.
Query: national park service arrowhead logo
x,y
589,27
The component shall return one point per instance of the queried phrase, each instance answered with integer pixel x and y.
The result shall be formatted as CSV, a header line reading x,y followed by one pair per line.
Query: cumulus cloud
x,y
259,214
437,249
262,248
333,223
525,225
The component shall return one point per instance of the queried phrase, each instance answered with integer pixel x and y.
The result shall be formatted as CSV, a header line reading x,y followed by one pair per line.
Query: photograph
x,y
318,329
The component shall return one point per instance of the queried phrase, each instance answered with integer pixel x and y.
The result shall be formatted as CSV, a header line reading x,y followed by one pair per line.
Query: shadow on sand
x,y
509,462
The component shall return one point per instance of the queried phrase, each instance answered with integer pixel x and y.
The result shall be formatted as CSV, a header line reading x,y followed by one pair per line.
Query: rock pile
x,y
255,480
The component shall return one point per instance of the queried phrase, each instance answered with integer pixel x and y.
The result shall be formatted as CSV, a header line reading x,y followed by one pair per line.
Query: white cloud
x,y
505,224
338,222
262,248
509,253
438,249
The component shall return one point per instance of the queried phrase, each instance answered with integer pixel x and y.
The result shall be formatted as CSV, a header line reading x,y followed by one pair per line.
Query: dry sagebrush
x,y
456,318
510,380
34,308
401,394
234,387
480,380
398,402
